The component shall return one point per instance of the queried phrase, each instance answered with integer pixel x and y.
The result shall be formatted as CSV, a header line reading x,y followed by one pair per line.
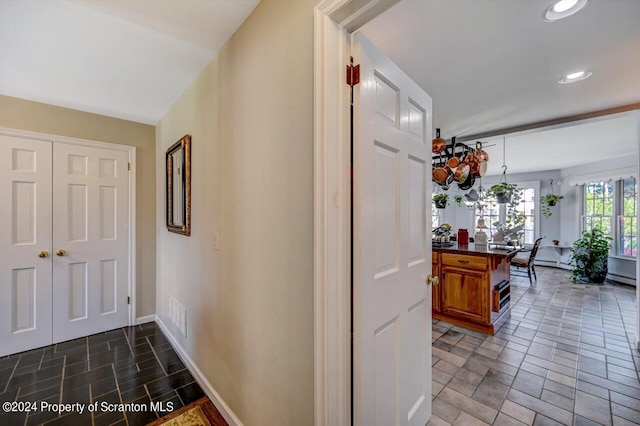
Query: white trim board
x,y
145,319
132,285
333,21
222,407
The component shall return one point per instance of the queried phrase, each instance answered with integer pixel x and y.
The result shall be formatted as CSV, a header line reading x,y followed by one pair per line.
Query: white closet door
x,y
25,235
90,240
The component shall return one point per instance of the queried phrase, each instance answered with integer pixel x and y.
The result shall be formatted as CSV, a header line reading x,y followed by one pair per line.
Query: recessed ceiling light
x,y
563,8
564,5
575,76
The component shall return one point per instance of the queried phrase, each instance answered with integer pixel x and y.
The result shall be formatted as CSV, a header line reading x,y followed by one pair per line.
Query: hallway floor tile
x,y
131,365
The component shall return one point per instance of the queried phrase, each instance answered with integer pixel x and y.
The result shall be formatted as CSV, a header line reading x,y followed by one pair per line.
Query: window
x,y
527,207
491,214
498,212
627,237
604,201
435,216
598,206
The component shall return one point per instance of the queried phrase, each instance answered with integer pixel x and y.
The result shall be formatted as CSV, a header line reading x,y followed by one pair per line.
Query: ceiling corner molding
x,y
353,14
604,176
556,122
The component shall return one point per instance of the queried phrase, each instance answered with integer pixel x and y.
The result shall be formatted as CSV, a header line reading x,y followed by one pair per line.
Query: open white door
x,y
392,243
25,244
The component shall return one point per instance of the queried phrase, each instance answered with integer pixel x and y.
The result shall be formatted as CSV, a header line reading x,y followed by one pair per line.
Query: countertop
x,y
472,248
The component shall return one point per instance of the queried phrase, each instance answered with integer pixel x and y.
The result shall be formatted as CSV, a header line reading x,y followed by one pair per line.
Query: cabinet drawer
x,y
463,261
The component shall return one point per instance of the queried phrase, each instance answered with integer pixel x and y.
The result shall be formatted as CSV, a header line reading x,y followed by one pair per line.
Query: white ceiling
x,y
491,65
487,64
565,146
121,58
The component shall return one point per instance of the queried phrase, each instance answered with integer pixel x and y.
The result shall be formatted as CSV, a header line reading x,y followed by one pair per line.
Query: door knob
x,y
431,280
43,254
61,252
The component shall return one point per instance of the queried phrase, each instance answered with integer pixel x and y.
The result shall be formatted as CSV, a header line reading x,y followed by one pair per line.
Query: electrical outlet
x,y
215,241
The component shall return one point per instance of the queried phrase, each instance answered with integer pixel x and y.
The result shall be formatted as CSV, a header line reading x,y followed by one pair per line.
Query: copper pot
x,y
438,144
442,174
482,170
467,183
482,158
462,172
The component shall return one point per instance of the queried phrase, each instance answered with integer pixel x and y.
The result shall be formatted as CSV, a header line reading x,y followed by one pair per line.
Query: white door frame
x,y
131,150
333,21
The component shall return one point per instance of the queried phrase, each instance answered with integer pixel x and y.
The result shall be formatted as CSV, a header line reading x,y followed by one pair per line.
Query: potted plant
x,y
441,200
589,256
548,201
503,192
458,199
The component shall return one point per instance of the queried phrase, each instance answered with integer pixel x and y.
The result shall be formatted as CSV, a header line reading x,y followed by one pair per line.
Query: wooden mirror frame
x,y
183,228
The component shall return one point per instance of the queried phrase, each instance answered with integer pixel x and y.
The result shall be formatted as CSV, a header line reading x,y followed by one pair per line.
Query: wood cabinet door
x,y
464,293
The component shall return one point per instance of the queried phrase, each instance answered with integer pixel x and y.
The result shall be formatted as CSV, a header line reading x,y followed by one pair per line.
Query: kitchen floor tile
x,y
567,356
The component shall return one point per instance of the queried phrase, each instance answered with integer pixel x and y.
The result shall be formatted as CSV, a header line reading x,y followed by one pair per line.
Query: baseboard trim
x,y
610,276
621,279
145,319
552,264
224,409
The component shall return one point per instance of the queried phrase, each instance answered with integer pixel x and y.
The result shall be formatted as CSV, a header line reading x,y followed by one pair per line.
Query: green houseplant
x,y
589,256
458,199
441,200
504,192
548,201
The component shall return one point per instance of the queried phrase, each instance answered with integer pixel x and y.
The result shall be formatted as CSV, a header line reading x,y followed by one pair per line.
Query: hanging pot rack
x,y
446,156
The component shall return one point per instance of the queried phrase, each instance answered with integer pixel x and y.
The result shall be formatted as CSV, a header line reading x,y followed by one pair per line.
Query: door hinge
x,y
353,74
128,166
128,300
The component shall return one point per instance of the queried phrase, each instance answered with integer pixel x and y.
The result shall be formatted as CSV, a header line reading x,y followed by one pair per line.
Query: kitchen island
x,y
474,288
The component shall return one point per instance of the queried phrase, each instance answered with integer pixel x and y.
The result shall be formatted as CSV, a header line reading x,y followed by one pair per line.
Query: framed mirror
x,y
179,186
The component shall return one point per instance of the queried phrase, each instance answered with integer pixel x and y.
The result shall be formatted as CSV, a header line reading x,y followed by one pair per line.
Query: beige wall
x,y
250,303
37,117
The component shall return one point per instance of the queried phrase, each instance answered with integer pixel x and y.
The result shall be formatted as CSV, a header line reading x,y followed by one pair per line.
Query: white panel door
x,y
25,235
392,243
90,240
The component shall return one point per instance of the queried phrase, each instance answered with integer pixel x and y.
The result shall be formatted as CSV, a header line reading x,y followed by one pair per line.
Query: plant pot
x,y
552,203
503,199
441,204
598,271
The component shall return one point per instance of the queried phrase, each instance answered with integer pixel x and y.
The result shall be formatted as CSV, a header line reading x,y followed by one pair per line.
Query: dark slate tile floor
x,y
567,356
130,365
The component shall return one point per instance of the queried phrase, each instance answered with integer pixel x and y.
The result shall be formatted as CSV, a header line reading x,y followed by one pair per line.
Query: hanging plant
x,y
504,192
459,200
548,201
441,200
